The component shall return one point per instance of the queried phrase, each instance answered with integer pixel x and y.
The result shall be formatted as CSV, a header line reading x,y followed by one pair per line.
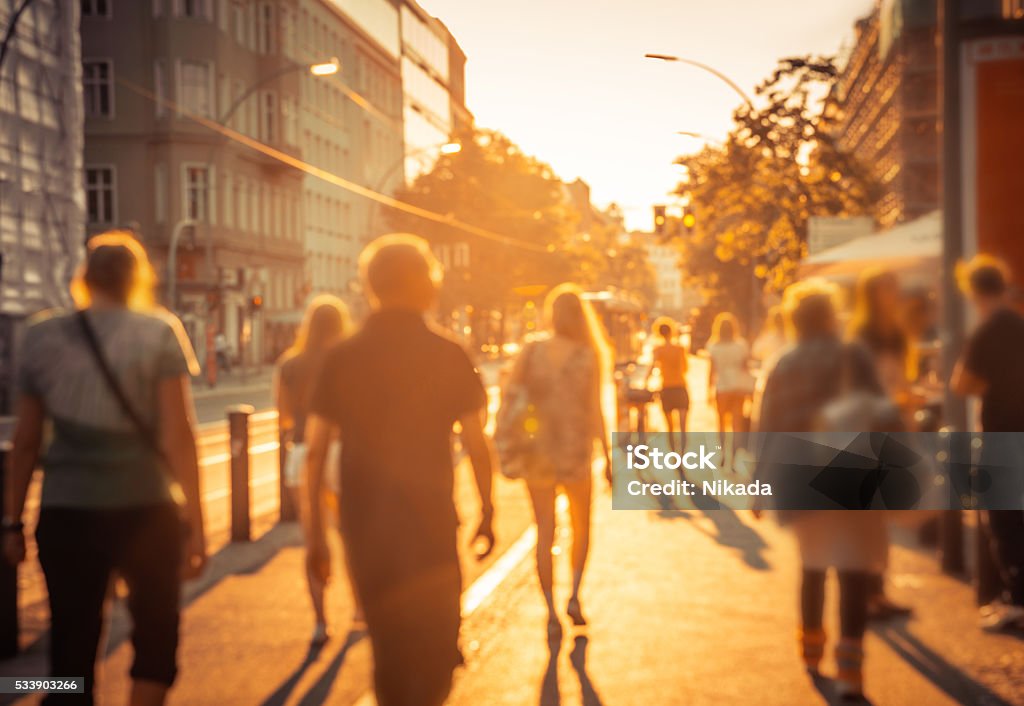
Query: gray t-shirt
x,y
97,458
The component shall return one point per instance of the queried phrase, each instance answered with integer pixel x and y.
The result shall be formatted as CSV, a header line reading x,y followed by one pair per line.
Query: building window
x,y
160,88
99,194
265,28
289,118
98,87
196,94
197,9
196,189
96,8
160,192
268,116
238,22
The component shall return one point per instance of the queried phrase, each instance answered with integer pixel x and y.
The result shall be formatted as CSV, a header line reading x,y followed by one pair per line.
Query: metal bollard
x,y
8,586
238,430
287,511
988,582
951,537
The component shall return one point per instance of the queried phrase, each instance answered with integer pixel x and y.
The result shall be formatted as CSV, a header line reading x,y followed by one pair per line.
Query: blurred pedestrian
x,y
325,322
121,474
393,392
730,383
878,326
220,346
772,338
564,373
991,369
804,382
671,362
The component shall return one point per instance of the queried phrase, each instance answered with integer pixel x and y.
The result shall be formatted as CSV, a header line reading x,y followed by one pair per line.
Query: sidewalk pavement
x,y
232,383
685,606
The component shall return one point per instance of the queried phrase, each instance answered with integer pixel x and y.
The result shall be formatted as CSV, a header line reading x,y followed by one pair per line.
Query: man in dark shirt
x,y
393,392
991,369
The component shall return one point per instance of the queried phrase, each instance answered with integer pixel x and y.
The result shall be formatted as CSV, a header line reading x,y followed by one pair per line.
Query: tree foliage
x,y
490,183
493,185
752,196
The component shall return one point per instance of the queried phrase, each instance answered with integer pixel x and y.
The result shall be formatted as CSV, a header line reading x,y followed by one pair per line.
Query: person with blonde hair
x,y
815,372
121,474
772,338
878,326
393,392
729,380
325,322
564,374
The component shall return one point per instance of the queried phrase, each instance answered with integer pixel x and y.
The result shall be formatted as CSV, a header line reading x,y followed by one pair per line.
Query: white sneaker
x,y
1002,618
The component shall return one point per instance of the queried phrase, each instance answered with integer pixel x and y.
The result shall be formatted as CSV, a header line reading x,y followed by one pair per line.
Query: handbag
x,y
855,408
517,425
295,460
114,386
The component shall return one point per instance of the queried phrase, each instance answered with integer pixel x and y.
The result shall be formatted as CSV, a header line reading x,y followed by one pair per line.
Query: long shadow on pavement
x,y
321,690
730,530
549,695
281,694
946,676
232,560
236,559
578,658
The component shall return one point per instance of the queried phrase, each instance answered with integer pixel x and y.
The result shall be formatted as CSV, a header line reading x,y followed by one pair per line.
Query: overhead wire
x,y
331,178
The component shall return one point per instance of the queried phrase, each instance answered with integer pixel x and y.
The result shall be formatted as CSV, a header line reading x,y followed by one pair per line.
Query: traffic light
x,y
255,303
689,221
659,220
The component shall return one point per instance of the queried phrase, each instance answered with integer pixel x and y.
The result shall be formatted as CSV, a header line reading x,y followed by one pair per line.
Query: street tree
x,y
491,184
752,197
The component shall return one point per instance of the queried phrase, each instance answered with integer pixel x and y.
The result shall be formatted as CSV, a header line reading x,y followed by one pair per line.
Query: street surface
x,y
685,607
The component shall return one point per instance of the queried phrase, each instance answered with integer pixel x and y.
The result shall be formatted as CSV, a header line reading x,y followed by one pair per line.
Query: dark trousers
x,y
1005,530
854,590
80,551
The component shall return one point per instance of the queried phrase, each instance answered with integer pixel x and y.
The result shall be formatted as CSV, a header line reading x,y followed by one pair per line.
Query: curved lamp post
x,y
450,147
709,69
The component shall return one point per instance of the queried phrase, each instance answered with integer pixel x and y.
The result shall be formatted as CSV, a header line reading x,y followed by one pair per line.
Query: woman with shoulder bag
x,y
121,475
556,387
821,384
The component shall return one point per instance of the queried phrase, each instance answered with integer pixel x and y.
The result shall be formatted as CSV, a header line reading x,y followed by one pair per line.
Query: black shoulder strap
x,y
114,386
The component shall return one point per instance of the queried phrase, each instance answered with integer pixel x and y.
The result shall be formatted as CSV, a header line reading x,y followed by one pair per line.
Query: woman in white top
x,y
729,380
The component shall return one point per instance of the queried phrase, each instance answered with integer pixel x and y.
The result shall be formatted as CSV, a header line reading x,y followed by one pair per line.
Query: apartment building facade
x,y
222,220
884,108
351,126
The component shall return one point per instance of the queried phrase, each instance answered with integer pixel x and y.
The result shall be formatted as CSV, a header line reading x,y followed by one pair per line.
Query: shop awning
x,y
912,249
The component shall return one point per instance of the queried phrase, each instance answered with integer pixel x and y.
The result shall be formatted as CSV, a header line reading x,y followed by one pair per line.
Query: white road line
x,y
487,582
254,450
221,493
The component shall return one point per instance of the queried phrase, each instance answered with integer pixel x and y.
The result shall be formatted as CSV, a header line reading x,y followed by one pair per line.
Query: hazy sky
x,y
568,81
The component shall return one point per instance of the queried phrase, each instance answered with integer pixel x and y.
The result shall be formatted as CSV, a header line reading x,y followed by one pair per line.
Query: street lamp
x,y
700,136
327,68
318,69
704,67
448,148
